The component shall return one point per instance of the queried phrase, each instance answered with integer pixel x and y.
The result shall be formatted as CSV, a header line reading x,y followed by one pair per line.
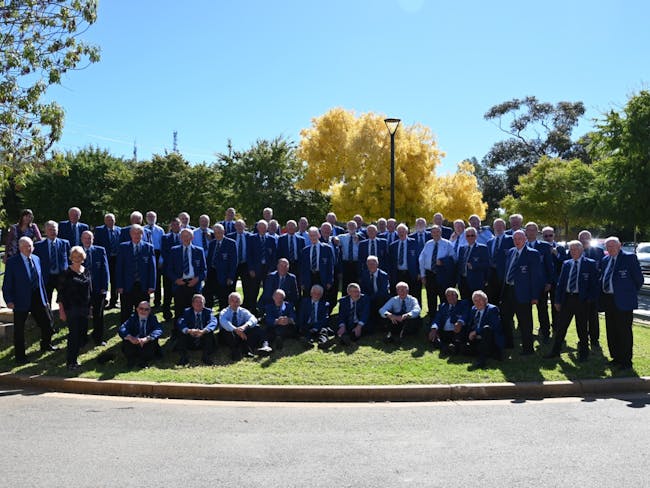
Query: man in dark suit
x,y
483,233
522,287
621,280
313,317
375,284
516,221
97,263
373,246
548,277
222,268
576,288
403,262
421,236
53,253
169,241
23,289
558,256
136,272
446,232
279,279
317,264
473,264
593,322
196,331
228,221
333,242
361,225
448,329
156,233
71,229
135,219
279,319
337,230
354,312
498,247
485,336
185,221
290,247
390,234
140,333
186,270
240,236
108,237
261,257
349,249
437,268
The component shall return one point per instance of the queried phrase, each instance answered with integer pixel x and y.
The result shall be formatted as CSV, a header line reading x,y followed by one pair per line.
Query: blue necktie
x,y
186,261
234,321
313,313
143,328
197,321
33,278
573,279
510,279
434,256
291,256
608,276
314,259
350,249
402,310
53,264
373,252
240,249
401,253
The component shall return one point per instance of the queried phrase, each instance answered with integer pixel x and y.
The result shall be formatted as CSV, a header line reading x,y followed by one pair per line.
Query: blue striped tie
x,y
573,279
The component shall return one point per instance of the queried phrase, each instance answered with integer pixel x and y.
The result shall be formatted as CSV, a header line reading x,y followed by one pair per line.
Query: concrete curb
x,y
262,393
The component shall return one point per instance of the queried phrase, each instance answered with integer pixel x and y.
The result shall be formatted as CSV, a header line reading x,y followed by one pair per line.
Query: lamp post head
x,y
391,125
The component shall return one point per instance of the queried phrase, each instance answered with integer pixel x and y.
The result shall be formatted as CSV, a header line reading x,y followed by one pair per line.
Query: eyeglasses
x,y
547,235
144,309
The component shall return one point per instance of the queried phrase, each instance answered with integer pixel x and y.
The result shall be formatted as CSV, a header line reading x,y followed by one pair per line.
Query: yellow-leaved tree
x,y
349,157
458,194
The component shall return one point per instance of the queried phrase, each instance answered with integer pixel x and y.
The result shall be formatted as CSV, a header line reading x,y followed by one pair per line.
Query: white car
x,y
643,253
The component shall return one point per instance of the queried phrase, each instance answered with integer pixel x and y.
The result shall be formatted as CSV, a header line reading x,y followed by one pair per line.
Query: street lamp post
x,y
391,125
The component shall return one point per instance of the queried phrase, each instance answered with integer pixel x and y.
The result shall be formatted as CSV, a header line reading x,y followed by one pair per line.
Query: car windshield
x,y
645,249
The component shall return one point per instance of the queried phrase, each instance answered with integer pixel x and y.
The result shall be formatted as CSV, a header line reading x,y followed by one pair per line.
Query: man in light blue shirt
x,y
241,330
403,314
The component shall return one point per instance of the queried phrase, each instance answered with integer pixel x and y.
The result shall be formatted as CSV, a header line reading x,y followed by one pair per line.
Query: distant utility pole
x,y
175,146
135,151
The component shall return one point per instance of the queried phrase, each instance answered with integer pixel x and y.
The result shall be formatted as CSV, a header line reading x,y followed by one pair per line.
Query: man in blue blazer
x,y
317,264
290,247
446,232
558,256
373,246
498,247
420,235
447,330
279,279
279,319
485,336
229,220
186,270
140,333
376,286
136,272
548,276
354,312
222,268
521,290
593,323
349,243
576,288
97,263
169,241
24,292
437,268
261,250
403,261
240,236
473,264
71,229
53,253
108,237
313,319
196,330
621,280
136,219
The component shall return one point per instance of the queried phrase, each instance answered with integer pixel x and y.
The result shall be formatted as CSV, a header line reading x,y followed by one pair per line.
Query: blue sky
x,y
248,69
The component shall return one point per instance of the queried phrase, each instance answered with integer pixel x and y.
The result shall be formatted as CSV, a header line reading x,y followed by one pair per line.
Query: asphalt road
x,y
54,440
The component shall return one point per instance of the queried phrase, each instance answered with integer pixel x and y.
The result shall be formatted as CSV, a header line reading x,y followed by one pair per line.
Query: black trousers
x,y
331,295
405,327
143,354
619,331
510,308
448,337
97,301
158,292
484,347
43,317
542,314
435,293
271,332
215,290
350,274
51,285
249,287
168,294
130,299
494,286
593,324
572,307
254,338
315,280
414,284
182,299
77,328
205,343
112,266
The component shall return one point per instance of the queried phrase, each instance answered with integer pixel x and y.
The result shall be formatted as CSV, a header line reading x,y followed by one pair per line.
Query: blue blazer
x,y
188,319
491,317
480,261
420,246
528,274
42,250
125,234
345,310
228,226
224,263
498,256
126,265
548,266
325,265
283,247
272,283
587,280
381,249
174,270
65,232
446,232
272,313
103,238
258,250
168,241
17,286
460,311
131,327
383,286
305,311
595,253
627,280
559,258
412,256
96,256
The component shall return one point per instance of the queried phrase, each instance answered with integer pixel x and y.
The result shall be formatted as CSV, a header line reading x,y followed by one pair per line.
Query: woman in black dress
x,y
74,303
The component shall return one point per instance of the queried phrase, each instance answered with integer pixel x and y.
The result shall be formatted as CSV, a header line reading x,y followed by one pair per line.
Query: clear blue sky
x,y
248,69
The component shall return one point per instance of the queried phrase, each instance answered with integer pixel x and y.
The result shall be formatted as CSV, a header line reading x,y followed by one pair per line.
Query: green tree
x,y
536,129
620,147
265,175
493,186
553,193
39,43
88,179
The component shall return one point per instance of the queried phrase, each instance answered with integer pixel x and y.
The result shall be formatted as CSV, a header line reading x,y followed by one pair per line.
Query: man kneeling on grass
x,y
197,326
241,330
448,327
354,310
485,337
140,333
313,317
402,312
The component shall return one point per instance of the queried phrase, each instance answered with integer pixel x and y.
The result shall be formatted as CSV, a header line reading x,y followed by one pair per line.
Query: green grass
x,y
369,363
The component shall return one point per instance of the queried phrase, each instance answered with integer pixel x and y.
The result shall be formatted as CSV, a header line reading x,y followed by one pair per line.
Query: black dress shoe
x,y
624,366
346,340
207,360
551,355
612,362
183,361
73,366
21,361
477,365
49,348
